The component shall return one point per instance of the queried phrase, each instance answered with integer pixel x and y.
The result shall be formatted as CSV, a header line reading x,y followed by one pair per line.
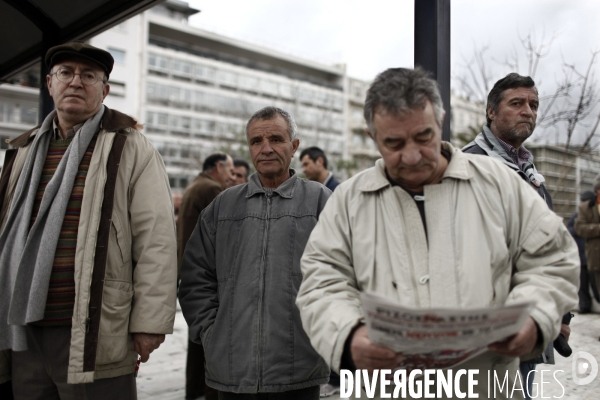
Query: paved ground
x,y
163,377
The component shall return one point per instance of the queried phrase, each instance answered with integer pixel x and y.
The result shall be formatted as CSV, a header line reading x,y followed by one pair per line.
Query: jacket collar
x,y
456,169
112,121
489,143
204,175
285,190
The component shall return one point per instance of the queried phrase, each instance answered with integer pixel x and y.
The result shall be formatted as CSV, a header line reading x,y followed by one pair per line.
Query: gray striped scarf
x,y
27,255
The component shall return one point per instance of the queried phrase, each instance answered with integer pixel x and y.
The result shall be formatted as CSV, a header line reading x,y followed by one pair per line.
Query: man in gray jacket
x,y
241,273
511,114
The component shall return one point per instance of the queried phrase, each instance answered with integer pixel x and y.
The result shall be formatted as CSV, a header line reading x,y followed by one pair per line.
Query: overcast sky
x,y
372,35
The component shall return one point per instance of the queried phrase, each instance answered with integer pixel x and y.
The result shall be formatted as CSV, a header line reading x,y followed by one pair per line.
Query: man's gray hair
x,y
271,113
399,90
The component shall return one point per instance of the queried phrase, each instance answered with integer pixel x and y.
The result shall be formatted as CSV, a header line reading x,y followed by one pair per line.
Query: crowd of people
x,y
268,266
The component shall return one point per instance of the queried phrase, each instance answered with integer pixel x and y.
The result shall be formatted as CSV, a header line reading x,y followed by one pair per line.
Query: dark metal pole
x,y
46,102
432,47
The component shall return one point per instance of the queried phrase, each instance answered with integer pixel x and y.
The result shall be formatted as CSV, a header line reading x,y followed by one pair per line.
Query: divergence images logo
x,y
584,368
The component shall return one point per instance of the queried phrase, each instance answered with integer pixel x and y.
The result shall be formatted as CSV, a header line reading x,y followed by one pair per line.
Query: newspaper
x,y
439,337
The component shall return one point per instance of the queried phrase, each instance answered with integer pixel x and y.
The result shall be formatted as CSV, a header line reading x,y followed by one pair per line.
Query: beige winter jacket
x,y
126,258
491,240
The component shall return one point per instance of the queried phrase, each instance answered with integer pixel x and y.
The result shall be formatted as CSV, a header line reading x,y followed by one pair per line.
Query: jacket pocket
x,y
307,363
118,235
543,233
113,338
217,341
118,266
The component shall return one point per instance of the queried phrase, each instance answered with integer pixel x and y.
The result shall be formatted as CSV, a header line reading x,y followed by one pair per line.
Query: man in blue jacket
x,y
314,166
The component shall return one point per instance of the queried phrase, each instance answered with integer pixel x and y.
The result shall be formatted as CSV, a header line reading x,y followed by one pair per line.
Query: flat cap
x,y
80,50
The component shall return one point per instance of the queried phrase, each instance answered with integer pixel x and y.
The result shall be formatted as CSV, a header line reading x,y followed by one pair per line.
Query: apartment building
x,y
19,103
194,89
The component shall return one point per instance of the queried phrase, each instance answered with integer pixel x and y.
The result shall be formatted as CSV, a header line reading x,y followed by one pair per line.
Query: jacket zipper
x,y
261,287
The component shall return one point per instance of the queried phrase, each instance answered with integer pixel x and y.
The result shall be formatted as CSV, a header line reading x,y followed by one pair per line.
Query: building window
x,y
117,89
118,55
285,91
181,67
227,78
204,73
162,119
157,92
337,124
306,95
158,62
338,103
269,87
29,114
248,83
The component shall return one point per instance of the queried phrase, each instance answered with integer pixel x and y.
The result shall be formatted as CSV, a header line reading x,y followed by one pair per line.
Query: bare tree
x,y
570,108
575,113
474,82
476,78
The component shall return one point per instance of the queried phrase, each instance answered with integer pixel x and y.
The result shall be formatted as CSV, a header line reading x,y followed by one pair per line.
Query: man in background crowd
x,y
511,113
587,279
314,166
216,175
241,171
587,225
176,205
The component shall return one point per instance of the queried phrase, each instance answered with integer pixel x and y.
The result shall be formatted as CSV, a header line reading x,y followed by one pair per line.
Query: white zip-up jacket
x,y
490,241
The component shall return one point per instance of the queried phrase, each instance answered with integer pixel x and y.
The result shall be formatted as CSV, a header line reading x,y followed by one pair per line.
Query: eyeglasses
x,y
66,76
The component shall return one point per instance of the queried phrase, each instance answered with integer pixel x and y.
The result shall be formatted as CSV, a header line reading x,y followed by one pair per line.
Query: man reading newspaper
x,y
431,227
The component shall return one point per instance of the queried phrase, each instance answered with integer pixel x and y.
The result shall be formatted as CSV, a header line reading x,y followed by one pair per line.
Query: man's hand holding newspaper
x,y
400,337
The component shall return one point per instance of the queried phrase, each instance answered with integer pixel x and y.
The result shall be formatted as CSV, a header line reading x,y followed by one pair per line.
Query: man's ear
x,y
320,161
105,90
49,84
295,145
370,134
490,113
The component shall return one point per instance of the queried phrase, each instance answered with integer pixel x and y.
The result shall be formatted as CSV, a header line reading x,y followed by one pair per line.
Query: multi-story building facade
x,y
19,102
194,89
567,174
466,119
361,149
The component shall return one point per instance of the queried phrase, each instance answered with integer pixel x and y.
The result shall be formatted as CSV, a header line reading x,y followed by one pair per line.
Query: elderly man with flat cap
x,y
88,256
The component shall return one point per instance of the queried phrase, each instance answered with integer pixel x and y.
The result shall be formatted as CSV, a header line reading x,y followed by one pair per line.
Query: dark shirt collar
x,y
519,156
70,133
